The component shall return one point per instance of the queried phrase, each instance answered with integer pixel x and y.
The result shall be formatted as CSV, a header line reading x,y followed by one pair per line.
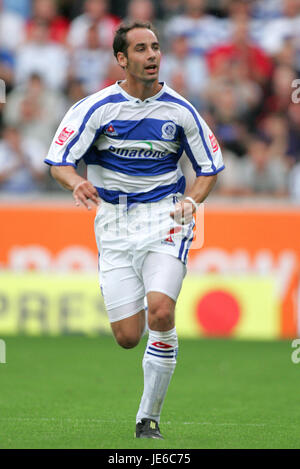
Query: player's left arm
x,y
184,210
200,189
205,155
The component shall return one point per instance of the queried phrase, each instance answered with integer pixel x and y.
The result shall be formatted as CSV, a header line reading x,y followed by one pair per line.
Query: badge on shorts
x,y
169,238
168,130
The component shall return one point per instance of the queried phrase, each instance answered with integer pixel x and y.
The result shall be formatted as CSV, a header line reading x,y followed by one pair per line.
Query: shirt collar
x,y
137,100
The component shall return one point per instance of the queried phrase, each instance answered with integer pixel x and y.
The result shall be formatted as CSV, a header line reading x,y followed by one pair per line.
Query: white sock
x,y
158,363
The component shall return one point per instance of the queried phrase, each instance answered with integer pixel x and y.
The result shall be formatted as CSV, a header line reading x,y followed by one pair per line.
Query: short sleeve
x,y
76,133
201,145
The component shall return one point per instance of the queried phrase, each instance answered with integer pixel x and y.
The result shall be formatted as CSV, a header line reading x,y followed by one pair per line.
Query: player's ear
x,y
122,59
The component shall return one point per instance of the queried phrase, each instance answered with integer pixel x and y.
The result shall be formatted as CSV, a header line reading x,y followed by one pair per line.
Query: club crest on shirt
x,y
168,130
65,134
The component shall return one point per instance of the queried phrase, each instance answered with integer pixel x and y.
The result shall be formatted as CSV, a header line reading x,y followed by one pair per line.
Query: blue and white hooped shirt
x,y
132,147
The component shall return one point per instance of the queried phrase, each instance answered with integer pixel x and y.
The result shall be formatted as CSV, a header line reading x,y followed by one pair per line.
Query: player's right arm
x,y
83,190
74,137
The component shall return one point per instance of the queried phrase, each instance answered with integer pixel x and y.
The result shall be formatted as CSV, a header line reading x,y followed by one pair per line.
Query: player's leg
x,y
123,294
163,275
129,331
161,315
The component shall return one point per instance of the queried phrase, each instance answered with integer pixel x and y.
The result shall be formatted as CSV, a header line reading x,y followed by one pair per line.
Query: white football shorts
x,y
141,249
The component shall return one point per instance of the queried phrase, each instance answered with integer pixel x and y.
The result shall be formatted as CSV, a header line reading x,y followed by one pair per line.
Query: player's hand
x,y
86,194
183,213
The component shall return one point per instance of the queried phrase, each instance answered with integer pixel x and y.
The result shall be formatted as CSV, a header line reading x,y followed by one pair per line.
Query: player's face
x,y
143,55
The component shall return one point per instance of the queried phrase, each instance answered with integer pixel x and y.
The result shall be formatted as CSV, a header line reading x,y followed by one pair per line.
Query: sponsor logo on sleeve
x,y
65,134
213,142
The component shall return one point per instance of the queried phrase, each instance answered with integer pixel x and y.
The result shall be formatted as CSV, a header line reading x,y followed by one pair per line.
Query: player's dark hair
x,y
120,43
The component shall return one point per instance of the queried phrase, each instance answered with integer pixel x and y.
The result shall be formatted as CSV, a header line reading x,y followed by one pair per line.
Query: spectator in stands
x,y
43,56
250,93
74,92
7,64
294,183
46,10
274,127
166,9
281,90
232,102
21,163
20,7
113,73
262,172
95,13
184,72
267,9
12,30
231,183
89,64
280,29
230,130
230,73
293,151
239,11
142,10
202,31
241,49
287,54
293,124
35,109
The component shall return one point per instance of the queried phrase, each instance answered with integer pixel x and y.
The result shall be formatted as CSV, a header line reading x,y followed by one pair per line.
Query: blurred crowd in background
x,y
237,62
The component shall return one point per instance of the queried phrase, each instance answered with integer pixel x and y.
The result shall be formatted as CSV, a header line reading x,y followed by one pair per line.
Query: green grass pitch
x,y
79,392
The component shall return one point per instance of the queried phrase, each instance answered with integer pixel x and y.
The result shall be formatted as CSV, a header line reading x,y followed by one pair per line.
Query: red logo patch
x,y
110,131
161,345
110,128
172,231
213,142
64,135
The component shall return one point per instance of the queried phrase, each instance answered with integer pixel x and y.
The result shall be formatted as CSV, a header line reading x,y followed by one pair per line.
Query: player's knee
x,y
160,316
127,341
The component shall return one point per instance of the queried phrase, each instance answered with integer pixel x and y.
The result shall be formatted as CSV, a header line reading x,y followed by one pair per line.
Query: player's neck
x,y
140,90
